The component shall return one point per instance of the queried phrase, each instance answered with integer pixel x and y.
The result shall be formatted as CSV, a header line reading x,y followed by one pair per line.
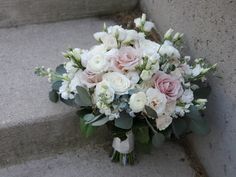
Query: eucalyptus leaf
x,y
56,85
125,121
82,98
179,127
61,69
69,102
101,121
198,124
53,96
158,139
150,112
88,117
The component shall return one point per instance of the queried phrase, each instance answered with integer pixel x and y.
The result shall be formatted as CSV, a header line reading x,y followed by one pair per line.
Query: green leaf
x,y
86,129
158,139
179,126
202,92
82,98
198,124
53,96
69,102
88,117
142,134
150,112
125,121
61,69
56,85
100,122
82,112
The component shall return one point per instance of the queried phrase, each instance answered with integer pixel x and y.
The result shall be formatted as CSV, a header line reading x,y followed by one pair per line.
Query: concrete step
x,y
19,12
93,161
29,122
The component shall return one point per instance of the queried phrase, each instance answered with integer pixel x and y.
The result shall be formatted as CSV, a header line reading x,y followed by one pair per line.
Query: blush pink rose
x,y
126,59
90,79
168,85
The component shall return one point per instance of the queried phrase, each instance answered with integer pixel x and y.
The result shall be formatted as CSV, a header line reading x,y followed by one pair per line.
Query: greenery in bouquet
x,y
144,91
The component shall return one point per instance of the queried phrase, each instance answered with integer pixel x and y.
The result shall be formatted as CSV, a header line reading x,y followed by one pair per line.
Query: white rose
x,y
119,82
104,92
156,100
99,35
187,96
109,42
137,102
148,26
169,50
97,64
163,121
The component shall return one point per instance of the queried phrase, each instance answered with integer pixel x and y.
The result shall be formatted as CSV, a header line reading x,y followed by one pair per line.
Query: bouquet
x,y
144,91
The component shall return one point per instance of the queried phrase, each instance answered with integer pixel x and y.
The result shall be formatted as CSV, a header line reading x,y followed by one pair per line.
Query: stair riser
x,y
20,12
23,142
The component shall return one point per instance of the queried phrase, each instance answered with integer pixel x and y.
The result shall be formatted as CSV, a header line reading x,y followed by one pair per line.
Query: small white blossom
x,y
148,26
168,49
187,96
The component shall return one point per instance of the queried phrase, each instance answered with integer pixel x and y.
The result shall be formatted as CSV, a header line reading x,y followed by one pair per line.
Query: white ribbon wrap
x,y
125,146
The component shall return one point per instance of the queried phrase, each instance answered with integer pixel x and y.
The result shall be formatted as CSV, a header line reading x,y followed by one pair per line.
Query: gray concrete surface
x,y
19,12
93,161
29,122
210,31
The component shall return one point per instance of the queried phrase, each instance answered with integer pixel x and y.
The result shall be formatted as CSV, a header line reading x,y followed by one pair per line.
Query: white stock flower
x,y
65,91
119,82
146,75
97,64
163,121
133,77
168,49
69,66
99,35
187,96
109,42
156,100
137,102
197,70
148,26
104,92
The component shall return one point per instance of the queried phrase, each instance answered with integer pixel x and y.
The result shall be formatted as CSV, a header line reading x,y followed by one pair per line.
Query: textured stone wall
x,y
210,32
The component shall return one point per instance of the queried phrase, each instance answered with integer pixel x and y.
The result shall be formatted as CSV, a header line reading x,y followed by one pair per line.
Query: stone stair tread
x,y
24,96
93,161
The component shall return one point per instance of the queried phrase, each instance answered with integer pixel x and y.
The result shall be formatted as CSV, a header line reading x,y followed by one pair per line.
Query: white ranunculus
x,y
168,49
163,121
156,100
148,26
137,102
197,70
187,96
97,64
104,92
109,42
119,82
146,75
99,35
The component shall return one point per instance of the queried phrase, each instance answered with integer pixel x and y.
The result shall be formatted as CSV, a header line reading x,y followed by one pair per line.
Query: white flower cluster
x,y
128,72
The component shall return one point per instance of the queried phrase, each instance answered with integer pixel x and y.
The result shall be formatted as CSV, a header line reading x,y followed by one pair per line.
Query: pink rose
x,y
168,85
126,59
90,79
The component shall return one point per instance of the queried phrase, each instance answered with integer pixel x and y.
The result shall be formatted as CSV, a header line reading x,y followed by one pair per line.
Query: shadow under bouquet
x,y
144,91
